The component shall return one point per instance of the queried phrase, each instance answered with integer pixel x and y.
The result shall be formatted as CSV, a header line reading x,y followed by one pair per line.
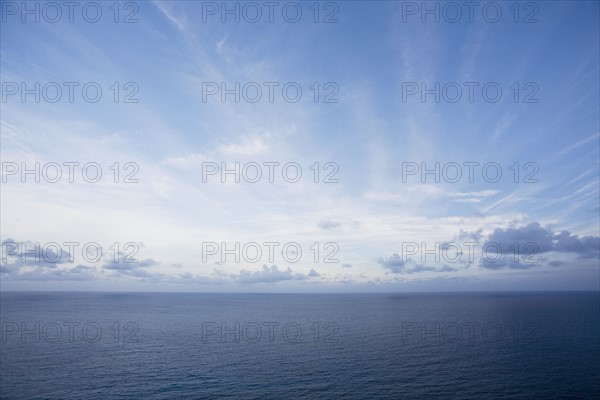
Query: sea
x,y
538,345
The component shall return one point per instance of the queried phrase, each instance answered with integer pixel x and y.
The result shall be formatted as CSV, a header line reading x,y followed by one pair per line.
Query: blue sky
x,y
371,56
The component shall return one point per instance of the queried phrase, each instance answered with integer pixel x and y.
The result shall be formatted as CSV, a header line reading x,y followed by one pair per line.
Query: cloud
x,y
32,254
546,240
129,266
78,273
504,262
469,236
471,197
394,263
135,269
579,143
187,161
532,240
532,233
328,225
422,268
585,247
429,192
250,145
448,268
168,12
220,44
346,265
270,274
142,270
32,261
313,273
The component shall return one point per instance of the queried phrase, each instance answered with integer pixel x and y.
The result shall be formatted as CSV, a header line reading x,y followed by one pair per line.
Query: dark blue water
x,y
360,346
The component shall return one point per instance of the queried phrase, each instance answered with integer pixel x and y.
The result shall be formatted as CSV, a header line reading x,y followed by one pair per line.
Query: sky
x,y
350,146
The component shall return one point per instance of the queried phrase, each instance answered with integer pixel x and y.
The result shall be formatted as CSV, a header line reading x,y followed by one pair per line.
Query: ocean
x,y
543,345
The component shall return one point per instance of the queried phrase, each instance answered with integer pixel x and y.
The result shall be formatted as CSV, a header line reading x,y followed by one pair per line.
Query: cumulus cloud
x,y
136,269
585,247
32,254
313,273
396,265
521,247
469,236
531,240
269,274
34,261
16,267
513,248
532,233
